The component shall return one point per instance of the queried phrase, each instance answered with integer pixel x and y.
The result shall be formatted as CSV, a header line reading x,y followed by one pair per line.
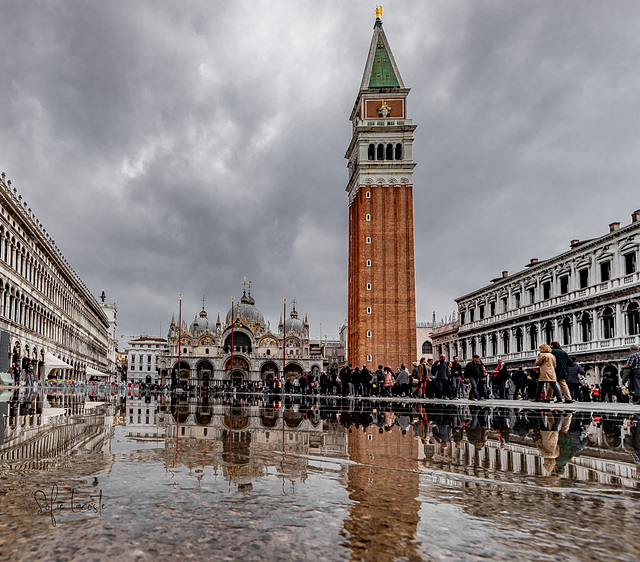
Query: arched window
x,y
566,331
427,347
372,152
389,155
533,337
505,342
483,346
548,331
380,152
585,325
494,345
519,340
633,319
608,324
398,151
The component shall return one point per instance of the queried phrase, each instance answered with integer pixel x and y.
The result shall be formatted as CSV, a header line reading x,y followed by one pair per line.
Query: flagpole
x,y
179,346
284,341
231,366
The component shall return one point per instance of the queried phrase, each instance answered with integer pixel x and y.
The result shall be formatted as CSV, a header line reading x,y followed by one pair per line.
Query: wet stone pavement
x,y
154,477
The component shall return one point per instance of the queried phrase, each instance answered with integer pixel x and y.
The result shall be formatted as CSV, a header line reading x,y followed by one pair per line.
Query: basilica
x,y
241,349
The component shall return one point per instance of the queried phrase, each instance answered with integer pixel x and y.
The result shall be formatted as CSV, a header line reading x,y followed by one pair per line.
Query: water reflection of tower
x,y
384,486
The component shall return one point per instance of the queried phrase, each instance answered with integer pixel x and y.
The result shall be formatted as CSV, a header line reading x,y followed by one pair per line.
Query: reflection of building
x,y
207,348
382,309
54,322
45,430
588,299
239,439
145,358
520,456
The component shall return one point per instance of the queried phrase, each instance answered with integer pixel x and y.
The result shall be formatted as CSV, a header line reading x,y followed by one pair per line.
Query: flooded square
x,y
154,476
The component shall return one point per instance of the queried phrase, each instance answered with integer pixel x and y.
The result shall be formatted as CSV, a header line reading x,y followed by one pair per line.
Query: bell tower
x,y
382,310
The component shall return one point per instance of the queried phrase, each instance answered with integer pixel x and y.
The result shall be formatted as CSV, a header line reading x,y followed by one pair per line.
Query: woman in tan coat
x,y
546,364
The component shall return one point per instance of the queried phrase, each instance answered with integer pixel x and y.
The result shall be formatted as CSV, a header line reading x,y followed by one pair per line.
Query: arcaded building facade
x,y
587,298
381,308
53,321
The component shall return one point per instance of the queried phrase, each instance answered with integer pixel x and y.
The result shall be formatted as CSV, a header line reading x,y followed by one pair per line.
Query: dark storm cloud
x,y
176,147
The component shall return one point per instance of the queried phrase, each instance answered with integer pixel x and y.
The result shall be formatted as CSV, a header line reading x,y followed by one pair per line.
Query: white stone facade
x,y
146,356
44,306
588,299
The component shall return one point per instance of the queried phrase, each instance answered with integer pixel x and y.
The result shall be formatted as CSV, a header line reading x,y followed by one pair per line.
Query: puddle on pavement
x,y
153,477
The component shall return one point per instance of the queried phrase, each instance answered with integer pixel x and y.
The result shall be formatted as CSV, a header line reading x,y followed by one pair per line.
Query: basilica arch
x,y
204,373
269,371
240,371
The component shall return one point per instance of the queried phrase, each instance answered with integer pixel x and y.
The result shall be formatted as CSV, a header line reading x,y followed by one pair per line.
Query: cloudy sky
x,y
179,146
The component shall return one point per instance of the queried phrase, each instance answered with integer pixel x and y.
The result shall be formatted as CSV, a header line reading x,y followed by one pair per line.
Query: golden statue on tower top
x,y
378,12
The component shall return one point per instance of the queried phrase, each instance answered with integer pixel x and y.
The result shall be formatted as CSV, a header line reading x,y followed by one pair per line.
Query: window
x,y
369,357
380,152
148,358
389,154
398,151
564,284
516,300
608,326
505,342
533,336
584,278
368,195
367,217
148,367
371,152
492,308
633,319
566,331
427,347
585,322
532,295
369,333
630,263
462,315
368,240
368,310
481,311
505,304
472,314
546,290
368,263
368,286
605,271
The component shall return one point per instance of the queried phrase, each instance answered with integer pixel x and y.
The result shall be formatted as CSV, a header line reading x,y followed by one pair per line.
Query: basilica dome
x,y
294,324
246,312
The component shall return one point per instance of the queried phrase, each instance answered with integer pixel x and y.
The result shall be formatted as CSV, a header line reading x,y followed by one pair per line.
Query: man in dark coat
x,y
456,378
440,371
474,373
562,370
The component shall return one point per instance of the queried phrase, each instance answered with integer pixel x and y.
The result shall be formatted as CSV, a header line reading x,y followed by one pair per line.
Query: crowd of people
x,y
554,376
